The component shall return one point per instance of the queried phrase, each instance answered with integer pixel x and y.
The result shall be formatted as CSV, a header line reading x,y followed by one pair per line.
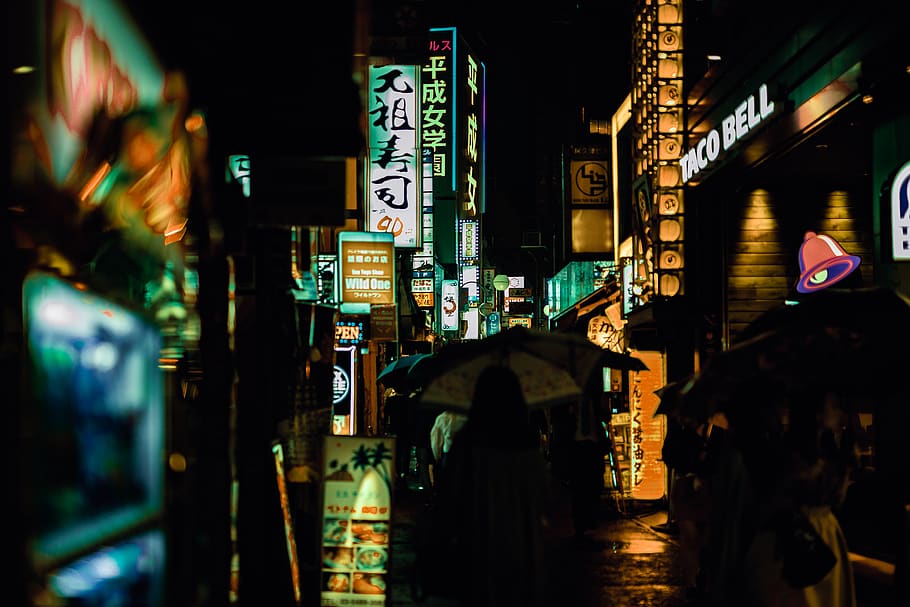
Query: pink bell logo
x,y
822,262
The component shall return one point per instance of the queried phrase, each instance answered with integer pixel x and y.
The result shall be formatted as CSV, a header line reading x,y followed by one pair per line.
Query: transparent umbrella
x,y
553,368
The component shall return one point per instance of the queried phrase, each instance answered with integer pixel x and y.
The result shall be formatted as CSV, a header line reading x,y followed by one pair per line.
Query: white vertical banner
x,y
394,170
471,317
449,305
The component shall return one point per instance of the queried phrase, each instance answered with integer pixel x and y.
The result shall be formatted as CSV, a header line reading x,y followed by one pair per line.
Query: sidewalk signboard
x,y
356,520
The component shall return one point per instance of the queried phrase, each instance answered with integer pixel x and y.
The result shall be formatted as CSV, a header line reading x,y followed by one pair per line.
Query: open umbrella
x,y
553,368
395,374
840,341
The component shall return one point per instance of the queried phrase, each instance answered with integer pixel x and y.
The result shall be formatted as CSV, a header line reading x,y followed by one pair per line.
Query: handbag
x,y
805,555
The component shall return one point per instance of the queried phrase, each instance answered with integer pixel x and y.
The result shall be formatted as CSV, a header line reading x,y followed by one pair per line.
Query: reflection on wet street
x,y
637,546
625,563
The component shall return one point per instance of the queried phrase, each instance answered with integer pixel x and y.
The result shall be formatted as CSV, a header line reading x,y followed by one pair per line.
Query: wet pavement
x,y
627,563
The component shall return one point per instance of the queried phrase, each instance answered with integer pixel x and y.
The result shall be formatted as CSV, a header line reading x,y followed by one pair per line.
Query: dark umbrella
x,y
395,374
840,341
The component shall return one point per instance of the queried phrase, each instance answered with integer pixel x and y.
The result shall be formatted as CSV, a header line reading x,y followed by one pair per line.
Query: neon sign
x,y
747,116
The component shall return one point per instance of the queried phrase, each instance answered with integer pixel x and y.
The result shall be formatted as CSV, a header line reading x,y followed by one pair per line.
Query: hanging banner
x,y
356,520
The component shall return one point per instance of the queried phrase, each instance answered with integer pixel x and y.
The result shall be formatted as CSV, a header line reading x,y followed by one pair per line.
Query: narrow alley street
x,y
625,563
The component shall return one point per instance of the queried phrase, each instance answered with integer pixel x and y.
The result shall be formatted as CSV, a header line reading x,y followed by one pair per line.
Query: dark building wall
x,y
766,230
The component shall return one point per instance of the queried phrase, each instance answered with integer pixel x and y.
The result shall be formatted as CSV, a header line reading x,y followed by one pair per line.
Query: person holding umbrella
x,y
491,502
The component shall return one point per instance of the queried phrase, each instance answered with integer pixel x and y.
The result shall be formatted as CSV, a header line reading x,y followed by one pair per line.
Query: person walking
x,y
398,424
486,548
580,443
442,436
421,438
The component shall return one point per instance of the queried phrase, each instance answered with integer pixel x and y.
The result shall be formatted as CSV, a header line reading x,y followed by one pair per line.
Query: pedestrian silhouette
x,y
488,545
579,445
400,425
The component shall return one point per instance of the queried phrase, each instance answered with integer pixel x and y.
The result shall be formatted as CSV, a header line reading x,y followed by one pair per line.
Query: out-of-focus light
x,y
24,69
94,181
713,57
868,98
194,123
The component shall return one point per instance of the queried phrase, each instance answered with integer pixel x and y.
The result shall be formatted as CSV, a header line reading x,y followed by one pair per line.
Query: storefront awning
x,y
575,319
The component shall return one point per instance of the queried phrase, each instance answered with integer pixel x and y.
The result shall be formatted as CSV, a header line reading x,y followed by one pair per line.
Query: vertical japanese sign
x,y
471,124
356,520
470,121
367,266
449,305
394,202
648,475
437,101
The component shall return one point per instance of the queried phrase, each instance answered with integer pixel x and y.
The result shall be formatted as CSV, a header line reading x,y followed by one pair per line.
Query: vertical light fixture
x,y
658,108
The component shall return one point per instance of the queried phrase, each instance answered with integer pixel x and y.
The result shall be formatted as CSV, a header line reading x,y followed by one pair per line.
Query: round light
x,y
670,260
670,230
500,282
669,284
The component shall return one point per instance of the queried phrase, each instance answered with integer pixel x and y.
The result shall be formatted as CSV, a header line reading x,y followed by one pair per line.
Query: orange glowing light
x,y
94,181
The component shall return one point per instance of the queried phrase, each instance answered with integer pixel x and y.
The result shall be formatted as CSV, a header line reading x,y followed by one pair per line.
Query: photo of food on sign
x,y
337,582
369,583
335,531
338,558
369,532
372,559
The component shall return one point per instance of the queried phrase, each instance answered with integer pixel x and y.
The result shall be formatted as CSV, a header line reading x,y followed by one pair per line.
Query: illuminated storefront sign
x,y
900,214
648,472
590,181
356,520
747,116
470,277
437,106
449,305
469,240
520,321
348,332
471,166
494,323
343,390
471,318
425,300
367,267
394,202
108,125
422,285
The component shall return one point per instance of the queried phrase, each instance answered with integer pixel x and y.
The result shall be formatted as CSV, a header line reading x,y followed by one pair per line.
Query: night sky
x,y
545,65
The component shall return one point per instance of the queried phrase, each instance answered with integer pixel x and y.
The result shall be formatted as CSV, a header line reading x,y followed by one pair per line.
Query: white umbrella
x,y
553,368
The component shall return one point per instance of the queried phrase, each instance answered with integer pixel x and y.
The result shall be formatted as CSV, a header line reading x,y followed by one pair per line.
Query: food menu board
x,y
356,520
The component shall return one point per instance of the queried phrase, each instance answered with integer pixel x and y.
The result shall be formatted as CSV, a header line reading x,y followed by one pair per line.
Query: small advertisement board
x,y
367,267
356,520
